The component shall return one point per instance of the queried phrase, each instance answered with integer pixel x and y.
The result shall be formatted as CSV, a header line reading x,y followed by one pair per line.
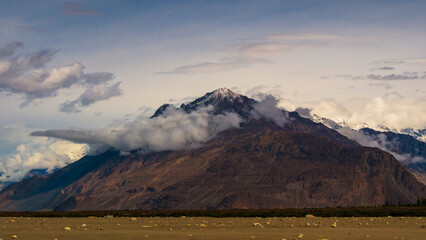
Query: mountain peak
x,y
222,99
218,95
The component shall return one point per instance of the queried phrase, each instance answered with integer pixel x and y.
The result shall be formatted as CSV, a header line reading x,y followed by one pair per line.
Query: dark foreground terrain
x,y
308,227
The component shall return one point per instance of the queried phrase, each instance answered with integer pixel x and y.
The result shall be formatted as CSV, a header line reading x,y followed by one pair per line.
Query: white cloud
x,y
38,153
267,108
391,110
174,129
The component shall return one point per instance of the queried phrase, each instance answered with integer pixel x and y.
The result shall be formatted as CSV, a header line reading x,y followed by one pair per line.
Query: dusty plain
x,y
213,228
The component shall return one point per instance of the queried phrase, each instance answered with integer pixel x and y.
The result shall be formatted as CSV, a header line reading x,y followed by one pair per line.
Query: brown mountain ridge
x,y
258,165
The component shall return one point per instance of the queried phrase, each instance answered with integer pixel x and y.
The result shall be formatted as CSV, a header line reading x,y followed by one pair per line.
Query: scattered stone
x,y
67,228
334,225
256,224
84,225
12,220
133,219
203,225
14,236
300,235
188,225
170,229
147,236
309,216
147,226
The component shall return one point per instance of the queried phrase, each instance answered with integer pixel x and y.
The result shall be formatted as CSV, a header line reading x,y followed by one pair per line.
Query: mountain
x,y
408,145
418,134
260,164
411,151
4,184
31,173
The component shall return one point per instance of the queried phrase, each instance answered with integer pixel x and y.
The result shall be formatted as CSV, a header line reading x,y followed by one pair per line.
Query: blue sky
x,y
361,61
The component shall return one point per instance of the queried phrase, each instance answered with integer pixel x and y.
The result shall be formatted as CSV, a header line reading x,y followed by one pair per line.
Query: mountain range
x,y
407,145
273,159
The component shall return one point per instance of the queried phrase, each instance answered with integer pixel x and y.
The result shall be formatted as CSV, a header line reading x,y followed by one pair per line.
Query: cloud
x,y
385,68
174,129
419,60
9,49
379,141
75,8
308,36
263,50
386,86
267,108
90,96
394,112
208,67
28,76
394,77
247,54
391,110
34,153
386,77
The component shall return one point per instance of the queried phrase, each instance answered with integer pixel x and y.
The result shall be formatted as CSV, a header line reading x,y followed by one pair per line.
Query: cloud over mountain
x,y
172,130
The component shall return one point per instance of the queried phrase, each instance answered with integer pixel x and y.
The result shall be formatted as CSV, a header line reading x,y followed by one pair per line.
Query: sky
x,y
93,64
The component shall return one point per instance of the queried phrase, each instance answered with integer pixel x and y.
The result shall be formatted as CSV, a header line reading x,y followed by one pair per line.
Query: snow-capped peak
x,y
221,94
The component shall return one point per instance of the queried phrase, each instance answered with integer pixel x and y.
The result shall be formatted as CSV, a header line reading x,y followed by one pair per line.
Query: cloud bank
x,y
391,110
174,129
39,153
29,77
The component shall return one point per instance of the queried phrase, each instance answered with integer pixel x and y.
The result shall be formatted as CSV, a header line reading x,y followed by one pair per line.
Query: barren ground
x,y
213,228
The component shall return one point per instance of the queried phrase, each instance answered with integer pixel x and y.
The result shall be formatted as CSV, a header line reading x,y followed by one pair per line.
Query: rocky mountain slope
x,y
261,164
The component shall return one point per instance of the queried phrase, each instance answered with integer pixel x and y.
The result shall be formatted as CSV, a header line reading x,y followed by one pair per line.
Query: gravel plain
x,y
308,227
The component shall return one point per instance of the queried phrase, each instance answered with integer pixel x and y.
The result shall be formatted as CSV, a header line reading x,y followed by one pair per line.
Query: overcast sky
x,y
88,64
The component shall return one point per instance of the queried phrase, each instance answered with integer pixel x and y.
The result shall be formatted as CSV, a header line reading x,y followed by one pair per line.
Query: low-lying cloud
x,y
39,153
29,77
268,108
379,141
173,130
391,110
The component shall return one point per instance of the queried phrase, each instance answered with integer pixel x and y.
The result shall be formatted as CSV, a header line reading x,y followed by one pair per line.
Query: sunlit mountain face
x,y
229,151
